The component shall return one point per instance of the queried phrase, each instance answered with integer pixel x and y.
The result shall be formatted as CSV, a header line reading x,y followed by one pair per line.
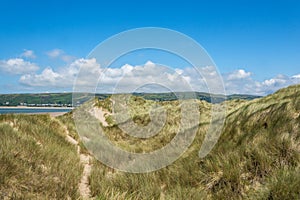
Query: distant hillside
x,y
65,99
62,99
43,99
199,95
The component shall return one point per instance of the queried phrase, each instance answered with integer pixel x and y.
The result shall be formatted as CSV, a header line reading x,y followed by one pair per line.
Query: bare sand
x,y
34,107
53,114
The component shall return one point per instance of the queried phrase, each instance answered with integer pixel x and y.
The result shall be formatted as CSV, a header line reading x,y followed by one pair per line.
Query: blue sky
x,y
257,41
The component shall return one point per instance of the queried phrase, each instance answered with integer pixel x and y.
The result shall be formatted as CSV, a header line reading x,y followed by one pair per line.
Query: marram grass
x,y
259,146
256,157
35,160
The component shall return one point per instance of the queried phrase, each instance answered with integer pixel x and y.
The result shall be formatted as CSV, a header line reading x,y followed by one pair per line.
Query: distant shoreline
x,y
52,114
35,107
27,110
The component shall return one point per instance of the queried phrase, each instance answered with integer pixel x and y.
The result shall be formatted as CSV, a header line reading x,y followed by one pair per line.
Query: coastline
x,y
35,107
52,114
52,111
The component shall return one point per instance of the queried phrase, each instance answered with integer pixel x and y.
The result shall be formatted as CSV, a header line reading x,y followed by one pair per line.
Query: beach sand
x,y
52,114
28,107
56,114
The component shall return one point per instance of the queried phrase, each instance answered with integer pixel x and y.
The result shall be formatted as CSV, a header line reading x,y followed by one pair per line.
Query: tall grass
x,y
35,160
258,152
256,157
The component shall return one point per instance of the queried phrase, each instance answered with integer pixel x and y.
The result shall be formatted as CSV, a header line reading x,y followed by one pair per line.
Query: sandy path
x,y
85,160
35,107
84,187
56,114
99,114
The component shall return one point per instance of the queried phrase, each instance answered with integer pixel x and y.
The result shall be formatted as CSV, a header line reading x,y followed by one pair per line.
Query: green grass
x,y
256,157
35,161
257,153
284,184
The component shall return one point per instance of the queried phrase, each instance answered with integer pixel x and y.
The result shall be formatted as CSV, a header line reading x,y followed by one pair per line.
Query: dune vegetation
x,y
36,162
256,157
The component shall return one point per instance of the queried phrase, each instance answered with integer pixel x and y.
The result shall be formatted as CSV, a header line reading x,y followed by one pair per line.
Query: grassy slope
x,y
258,149
257,155
35,160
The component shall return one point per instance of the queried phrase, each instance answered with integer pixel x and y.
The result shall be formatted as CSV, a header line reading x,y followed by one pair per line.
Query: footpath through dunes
x,y
85,160
256,157
41,159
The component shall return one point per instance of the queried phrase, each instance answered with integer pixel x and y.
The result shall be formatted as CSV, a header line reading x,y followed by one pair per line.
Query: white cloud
x,y
64,77
28,54
268,86
17,66
296,76
47,78
130,78
239,74
274,81
60,54
67,58
55,53
142,78
125,79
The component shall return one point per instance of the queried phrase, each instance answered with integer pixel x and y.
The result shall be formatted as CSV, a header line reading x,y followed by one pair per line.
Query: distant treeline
x,y
211,98
65,99
50,99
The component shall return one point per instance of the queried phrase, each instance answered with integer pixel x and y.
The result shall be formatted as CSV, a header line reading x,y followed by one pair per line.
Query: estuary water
x,y
33,110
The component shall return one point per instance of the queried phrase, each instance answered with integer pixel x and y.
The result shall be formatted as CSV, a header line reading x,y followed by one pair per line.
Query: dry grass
x,y
256,157
35,161
259,147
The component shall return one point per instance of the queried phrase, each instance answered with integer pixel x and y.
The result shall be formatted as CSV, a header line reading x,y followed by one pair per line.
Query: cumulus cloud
x,y
151,77
64,77
250,86
296,76
89,75
17,66
238,74
144,78
277,81
60,54
47,78
28,54
271,85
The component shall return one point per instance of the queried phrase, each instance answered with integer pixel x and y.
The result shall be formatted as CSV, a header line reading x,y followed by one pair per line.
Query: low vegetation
x,y
36,162
256,157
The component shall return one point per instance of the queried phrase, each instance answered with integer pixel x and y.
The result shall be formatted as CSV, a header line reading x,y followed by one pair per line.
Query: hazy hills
x,y
256,157
65,99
